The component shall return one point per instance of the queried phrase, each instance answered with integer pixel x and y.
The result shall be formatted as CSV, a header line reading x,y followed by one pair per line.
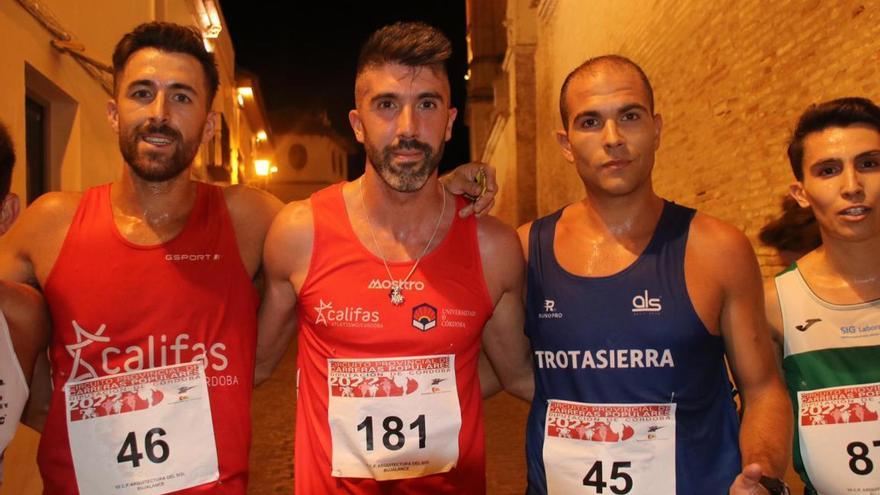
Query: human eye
x,y
428,104
827,170
630,116
141,94
871,162
385,104
181,98
590,123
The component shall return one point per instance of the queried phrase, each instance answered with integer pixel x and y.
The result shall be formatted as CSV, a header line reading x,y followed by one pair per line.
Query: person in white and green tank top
x,y
824,310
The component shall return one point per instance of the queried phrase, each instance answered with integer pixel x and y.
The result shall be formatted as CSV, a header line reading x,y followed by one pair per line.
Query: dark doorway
x,y
35,137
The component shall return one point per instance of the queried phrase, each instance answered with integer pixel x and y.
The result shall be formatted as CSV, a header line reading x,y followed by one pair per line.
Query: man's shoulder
x,y
50,213
498,241
250,209
247,199
293,225
714,238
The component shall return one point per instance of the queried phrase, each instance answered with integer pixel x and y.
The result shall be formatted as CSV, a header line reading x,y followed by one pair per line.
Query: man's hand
x,y
748,482
463,180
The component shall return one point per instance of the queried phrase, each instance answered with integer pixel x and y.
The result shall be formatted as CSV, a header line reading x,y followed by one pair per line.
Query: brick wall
x,y
730,79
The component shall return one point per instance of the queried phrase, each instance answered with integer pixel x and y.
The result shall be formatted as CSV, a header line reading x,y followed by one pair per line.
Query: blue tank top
x,y
631,338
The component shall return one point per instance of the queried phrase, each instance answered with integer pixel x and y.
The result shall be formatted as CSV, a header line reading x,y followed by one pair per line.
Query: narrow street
x,y
273,419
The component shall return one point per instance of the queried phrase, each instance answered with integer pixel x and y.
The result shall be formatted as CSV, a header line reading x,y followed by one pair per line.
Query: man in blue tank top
x,y
824,311
633,303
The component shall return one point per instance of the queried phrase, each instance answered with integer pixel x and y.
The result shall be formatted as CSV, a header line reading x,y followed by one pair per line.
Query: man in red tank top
x,y
149,283
391,294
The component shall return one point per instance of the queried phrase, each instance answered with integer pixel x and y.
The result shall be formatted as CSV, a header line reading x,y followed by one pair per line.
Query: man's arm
x,y
765,434
252,211
504,340
286,256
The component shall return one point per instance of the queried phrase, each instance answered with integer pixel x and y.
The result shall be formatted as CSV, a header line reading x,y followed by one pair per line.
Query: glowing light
x,y
209,18
273,169
242,93
261,136
262,167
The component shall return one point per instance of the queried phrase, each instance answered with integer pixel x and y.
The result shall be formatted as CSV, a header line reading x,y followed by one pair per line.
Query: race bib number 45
x,y
393,418
839,436
146,432
609,448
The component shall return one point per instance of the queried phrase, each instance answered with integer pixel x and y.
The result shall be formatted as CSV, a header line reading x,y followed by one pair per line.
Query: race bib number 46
x,y
393,418
839,436
609,448
147,432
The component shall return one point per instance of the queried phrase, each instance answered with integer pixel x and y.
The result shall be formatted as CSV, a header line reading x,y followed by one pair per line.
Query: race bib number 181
x,y
146,432
393,418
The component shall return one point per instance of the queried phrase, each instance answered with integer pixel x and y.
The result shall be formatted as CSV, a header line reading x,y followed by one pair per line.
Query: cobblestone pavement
x,y
273,418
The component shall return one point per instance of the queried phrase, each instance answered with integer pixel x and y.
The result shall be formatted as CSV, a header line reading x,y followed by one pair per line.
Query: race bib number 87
x,y
146,432
839,436
609,448
393,418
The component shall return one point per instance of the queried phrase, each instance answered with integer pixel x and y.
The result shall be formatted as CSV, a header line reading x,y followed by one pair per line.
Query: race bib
x,y
147,432
839,436
393,418
609,448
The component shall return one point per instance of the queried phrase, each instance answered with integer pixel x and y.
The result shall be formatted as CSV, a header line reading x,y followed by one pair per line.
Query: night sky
x,y
305,55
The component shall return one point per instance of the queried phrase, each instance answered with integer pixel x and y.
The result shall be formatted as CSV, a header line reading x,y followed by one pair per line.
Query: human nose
x,y
158,108
611,135
406,123
852,182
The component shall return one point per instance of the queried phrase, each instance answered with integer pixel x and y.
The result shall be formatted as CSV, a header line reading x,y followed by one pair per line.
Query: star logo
x,y
320,318
84,338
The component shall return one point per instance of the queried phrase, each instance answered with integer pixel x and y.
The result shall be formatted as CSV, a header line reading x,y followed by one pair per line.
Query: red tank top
x,y
345,313
189,299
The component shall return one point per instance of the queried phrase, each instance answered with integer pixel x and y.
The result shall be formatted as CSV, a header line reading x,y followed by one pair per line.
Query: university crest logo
x,y
424,317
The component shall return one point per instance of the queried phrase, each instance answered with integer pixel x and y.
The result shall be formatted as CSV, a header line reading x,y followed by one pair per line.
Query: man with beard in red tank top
x,y
148,280
391,294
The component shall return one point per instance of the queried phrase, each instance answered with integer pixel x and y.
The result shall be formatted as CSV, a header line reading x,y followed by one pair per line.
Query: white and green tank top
x,y
832,368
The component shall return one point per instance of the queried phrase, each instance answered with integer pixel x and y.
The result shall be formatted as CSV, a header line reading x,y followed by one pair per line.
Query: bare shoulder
x,y
718,245
497,238
289,241
501,254
29,249
51,210
251,208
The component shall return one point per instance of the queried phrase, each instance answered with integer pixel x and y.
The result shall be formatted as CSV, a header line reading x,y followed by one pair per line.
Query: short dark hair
x,y
171,38
842,112
414,44
618,61
7,161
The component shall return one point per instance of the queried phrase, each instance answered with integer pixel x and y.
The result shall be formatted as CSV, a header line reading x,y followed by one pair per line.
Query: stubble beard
x,y
157,167
406,176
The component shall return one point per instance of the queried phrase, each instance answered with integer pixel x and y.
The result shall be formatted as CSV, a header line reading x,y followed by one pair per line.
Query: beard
x,y
408,176
152,166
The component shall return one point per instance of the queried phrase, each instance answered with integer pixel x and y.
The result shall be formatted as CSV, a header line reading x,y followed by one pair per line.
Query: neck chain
x,y
396,294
